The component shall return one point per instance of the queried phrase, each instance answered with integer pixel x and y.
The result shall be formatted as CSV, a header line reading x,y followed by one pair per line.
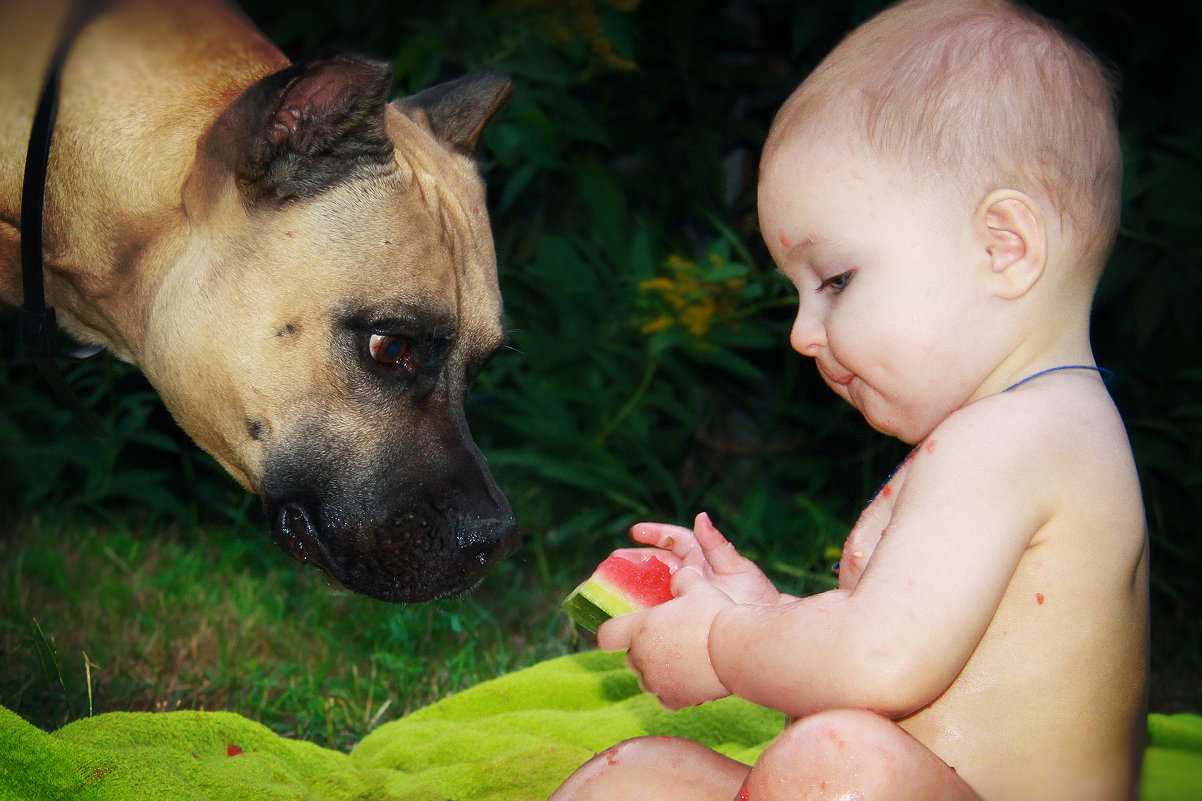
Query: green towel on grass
x,y
516,737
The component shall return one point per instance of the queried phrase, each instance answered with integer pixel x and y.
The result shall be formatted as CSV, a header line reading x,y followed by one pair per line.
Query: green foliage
x,y
48,462
649,373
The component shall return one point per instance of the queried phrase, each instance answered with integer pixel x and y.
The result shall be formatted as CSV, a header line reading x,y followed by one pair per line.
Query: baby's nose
x,y
808,336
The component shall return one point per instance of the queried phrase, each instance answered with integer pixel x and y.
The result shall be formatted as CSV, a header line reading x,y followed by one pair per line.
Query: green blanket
x,y
509,739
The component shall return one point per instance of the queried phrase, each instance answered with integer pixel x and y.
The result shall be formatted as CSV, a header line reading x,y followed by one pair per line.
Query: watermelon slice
x,y
629,580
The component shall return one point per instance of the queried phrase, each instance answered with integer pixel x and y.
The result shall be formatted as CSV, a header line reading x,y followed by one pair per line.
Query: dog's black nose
x,y
489,540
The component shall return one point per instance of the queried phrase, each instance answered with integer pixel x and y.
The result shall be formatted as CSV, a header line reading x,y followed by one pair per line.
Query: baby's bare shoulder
x,y
1033,454
1060,447
1049,427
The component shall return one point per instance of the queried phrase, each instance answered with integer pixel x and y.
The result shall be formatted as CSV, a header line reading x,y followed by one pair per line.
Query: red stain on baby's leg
x,y
744,792
1039,598
611,756
784,240
930,446
886,491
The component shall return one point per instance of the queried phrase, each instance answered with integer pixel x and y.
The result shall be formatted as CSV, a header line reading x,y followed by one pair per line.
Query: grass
x,y
158,616
167,617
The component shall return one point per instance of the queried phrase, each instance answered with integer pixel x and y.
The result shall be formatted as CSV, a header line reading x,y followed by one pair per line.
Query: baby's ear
x,y
1012,226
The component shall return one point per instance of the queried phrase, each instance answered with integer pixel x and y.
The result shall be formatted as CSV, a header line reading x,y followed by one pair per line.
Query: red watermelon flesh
x,y
629,580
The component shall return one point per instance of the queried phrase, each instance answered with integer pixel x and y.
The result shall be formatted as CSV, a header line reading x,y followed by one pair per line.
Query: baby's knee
x,y
837,734
642,750
831,754
633,754
654,767
608,774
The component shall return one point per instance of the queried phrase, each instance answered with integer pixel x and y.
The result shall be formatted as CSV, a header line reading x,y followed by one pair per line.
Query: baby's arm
x,y
971,501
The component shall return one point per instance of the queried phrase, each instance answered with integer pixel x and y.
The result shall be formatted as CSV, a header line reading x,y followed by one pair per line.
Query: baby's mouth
x,y
838,377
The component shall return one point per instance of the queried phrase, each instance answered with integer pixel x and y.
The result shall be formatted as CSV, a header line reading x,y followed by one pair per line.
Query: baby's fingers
x,y
720,554
615,634
676,539
685,579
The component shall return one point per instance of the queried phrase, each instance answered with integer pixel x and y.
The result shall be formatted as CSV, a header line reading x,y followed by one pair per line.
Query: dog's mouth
x,y
295,534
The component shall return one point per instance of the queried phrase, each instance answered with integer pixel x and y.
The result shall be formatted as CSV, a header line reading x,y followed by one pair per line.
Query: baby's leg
x,y
831,755
851,754
655,769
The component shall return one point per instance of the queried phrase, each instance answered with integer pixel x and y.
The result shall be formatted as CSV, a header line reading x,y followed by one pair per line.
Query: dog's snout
x,y
489,540
293,531
296,534
399,532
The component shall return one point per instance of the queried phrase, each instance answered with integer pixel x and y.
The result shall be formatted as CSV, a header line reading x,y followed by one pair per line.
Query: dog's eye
x,y
394,351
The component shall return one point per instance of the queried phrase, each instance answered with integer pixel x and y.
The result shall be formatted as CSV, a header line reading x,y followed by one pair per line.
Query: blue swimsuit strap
x,y
1106,374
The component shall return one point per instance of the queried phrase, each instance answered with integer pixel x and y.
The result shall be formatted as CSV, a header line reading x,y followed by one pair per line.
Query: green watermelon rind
x,y
586,613
596,601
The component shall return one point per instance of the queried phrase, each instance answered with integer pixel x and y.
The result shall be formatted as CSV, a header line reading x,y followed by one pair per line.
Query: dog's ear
x,y
312,126
457,111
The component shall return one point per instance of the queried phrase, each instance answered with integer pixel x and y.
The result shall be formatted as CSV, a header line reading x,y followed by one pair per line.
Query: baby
x,y
943,193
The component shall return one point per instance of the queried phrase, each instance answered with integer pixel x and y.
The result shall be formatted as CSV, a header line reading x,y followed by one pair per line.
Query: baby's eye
x,y
836,283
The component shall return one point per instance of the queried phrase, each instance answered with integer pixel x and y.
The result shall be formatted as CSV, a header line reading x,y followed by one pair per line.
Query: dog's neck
x,y
124,144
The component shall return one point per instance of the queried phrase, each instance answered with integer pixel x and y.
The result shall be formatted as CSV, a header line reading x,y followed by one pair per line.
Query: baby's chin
x,y
877,411
890,423
890,430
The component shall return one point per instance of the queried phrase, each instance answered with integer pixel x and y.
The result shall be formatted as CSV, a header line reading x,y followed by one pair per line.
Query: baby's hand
x,y
705,549
668,645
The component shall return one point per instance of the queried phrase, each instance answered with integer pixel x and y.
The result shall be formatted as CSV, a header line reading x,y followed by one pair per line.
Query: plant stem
x,y
632,401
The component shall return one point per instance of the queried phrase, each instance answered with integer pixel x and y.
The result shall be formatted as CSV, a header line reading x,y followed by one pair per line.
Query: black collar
x,y
39,329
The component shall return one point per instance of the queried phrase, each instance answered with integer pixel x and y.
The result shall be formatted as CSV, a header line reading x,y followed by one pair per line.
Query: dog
x,y
303,270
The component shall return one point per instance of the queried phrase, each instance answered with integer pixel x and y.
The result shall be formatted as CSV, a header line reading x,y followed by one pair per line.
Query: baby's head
x,y
943,192
975,96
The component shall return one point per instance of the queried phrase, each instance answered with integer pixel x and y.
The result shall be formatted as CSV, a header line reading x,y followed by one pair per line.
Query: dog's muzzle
x,y
412,556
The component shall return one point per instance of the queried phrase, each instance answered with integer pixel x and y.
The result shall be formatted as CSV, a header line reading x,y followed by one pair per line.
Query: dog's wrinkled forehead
x,y
411,237
449,187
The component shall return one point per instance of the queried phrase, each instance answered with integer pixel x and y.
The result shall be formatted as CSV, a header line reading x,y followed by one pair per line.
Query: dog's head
x,y
331,299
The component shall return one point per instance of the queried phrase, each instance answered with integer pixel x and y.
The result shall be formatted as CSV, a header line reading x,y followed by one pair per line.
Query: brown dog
x,y
303,270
